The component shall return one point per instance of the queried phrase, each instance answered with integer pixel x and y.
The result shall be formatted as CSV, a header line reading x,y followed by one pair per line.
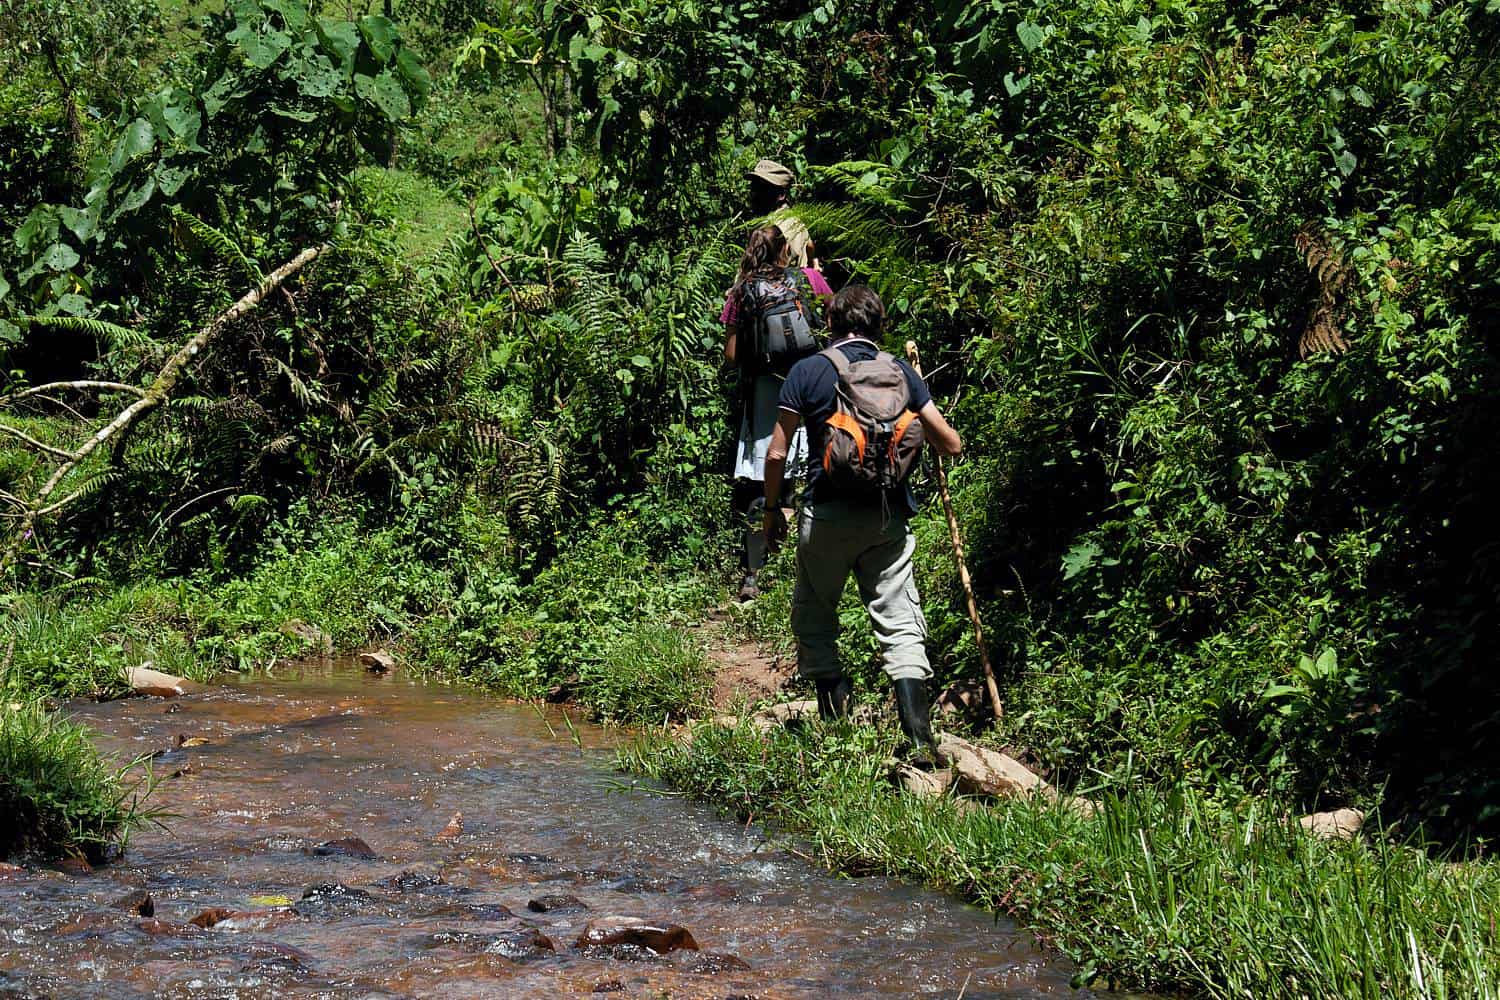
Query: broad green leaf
x,y
293,12
1079,558
1031,35
184,121
138,139
59,257
318,77
413,71
295,114
80,222
385,92
341,40
262,51
380,35
138,197
1346,162
4,287
220,94
40,227
73,304
169,179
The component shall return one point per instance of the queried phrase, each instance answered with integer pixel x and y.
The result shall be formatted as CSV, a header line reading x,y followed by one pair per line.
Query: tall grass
x,y
58,795
1162,889
652,672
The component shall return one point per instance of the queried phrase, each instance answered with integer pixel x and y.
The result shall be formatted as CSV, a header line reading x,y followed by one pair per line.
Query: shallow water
x,y
325,753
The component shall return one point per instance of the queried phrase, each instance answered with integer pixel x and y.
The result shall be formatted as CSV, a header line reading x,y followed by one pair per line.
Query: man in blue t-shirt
x,y
866,534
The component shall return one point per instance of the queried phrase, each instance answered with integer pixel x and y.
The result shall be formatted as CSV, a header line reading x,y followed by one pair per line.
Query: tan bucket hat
x,y
772,173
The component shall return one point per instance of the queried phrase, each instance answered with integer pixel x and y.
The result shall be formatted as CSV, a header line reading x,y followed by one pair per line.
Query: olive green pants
x,y
835,539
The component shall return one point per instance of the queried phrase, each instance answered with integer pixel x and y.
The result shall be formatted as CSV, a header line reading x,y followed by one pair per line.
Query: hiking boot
x,y
916,723
833,698
749,589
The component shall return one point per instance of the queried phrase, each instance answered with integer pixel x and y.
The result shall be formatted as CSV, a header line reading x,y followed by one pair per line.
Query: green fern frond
x,y
308,394
217,241
113,334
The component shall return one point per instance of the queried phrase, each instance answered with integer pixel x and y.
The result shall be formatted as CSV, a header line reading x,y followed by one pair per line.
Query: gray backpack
x,y
783,321
874,436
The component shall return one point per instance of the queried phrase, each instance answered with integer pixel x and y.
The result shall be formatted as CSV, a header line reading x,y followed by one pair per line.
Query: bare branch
x,y
79,384
34,443
149,398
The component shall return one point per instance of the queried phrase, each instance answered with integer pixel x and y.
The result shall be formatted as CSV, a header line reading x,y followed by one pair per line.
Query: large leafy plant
x,y
259,140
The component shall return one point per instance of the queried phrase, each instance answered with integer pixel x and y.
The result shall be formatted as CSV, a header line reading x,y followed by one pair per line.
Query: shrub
x,y
57,794
652,672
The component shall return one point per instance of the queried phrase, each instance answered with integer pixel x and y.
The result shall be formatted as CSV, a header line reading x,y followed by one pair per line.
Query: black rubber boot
x,y
916,722
833,698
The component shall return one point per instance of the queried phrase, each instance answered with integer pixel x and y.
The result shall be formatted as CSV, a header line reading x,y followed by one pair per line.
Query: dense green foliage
x,y
1161,890
57,795
1204,285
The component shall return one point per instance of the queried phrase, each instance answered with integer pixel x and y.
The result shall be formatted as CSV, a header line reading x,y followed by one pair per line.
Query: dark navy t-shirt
x,y
811,392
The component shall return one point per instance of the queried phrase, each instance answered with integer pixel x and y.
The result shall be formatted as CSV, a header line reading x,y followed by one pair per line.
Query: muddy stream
x,y
490,905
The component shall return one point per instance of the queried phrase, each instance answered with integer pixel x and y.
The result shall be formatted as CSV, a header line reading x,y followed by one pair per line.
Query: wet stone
x,y
519,945
609,932
86,923
481,912
74,866
609,986
409,881
454,829
712,963
346,847
333,897
459,940
222,918
138,902
532,860
557,903
625,953
645,883
166,928
275,953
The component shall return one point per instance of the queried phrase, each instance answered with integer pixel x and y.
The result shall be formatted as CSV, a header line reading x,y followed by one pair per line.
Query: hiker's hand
x,y
775,526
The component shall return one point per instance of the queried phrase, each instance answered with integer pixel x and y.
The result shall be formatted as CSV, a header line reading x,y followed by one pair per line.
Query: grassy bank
x,y
1161,890
58,795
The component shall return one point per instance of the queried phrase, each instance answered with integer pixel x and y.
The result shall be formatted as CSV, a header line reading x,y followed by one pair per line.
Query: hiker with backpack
x,y
771,316
770,196
867,415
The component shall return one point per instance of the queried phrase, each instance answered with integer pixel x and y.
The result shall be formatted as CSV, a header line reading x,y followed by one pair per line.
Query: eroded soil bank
x,y
266,771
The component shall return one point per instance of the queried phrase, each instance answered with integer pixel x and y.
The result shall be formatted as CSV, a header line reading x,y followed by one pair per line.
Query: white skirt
x,y
757,421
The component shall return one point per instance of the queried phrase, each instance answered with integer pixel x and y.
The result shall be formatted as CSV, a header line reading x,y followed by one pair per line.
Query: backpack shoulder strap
x,y
839,361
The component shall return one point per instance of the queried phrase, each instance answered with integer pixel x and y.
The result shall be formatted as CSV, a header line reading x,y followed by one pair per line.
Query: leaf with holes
x,y
380,35
386,93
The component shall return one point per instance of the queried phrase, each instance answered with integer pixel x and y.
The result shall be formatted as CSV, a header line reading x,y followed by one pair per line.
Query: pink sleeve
x,y
731,314
818,282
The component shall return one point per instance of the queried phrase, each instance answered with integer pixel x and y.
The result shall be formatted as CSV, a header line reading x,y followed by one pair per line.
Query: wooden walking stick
x,y
958,554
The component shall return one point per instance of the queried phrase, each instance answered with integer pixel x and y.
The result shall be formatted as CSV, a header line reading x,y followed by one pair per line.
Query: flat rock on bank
x,y
144,680
1340,824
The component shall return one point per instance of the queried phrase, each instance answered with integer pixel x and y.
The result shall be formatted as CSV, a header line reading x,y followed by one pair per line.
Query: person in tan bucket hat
x,y
770,186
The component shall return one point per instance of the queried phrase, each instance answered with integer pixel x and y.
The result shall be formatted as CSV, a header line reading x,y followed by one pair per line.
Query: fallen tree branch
x,y
79,384
32,442
149,399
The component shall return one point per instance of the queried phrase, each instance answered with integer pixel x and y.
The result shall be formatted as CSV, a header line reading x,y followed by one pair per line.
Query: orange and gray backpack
x,y
874,436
